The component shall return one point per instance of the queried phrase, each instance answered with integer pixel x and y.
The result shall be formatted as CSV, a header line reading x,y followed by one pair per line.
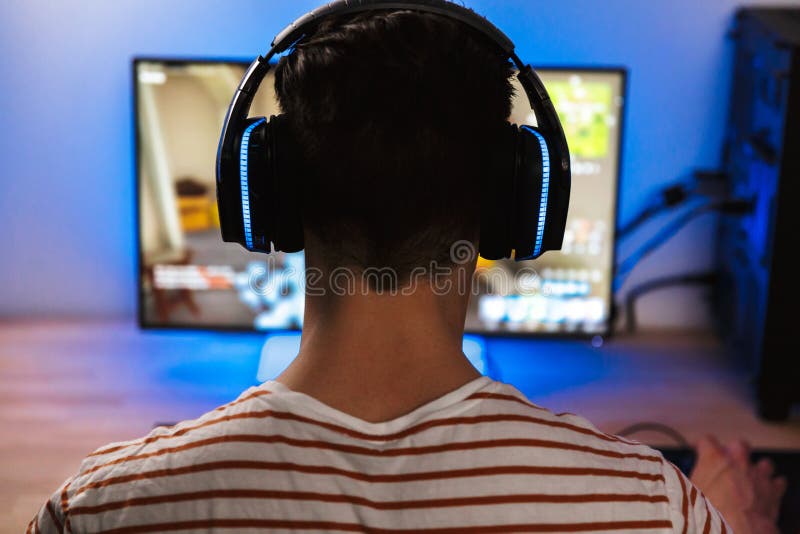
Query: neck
x,y
379,356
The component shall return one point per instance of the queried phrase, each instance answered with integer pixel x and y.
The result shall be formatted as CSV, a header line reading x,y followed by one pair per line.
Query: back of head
x,y
397,113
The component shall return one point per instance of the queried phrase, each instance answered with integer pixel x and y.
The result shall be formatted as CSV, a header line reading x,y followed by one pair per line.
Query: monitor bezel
x,y
140,293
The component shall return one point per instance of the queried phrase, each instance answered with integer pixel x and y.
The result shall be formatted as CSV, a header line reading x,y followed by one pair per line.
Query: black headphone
x,y
523,205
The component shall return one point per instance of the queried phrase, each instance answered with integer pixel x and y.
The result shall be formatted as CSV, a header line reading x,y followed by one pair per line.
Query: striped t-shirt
x,y
482,458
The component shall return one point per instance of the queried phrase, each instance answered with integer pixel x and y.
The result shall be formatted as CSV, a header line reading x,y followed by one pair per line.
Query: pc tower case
x,y
757,296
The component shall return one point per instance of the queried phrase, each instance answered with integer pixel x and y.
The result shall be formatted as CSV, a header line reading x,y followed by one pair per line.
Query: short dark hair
x,y
397,112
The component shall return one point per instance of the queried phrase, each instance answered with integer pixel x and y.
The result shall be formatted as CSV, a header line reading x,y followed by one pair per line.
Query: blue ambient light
x,y
245,185
545,190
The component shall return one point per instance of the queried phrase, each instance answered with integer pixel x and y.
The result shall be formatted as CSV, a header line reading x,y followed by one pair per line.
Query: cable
x,y
702,183
736,207
625,268
646,214
703,278
660,428
670,197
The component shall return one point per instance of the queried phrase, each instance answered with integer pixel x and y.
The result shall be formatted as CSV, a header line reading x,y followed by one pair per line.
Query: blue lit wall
x,y
66,191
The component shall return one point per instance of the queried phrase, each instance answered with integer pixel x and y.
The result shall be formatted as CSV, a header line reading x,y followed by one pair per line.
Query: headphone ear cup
x,y
497,197
266,199
240,191
531,193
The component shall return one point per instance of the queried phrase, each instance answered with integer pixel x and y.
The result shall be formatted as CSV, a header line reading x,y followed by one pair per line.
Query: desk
x,y
68,387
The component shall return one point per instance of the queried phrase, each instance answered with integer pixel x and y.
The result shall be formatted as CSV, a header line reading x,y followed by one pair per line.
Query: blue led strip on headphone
x,y
545,190
245,185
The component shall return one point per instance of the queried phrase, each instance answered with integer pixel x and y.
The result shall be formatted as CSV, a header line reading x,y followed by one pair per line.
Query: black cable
x,y
735,207
702,278
642,217
703,183
660,428
670,197
627,265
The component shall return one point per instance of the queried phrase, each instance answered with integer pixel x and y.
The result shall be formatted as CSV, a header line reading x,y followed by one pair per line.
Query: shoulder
x,y
615,464
624,474
565,431
168,441
167,461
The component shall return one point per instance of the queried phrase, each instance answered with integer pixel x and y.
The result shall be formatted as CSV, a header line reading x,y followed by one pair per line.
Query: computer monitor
x,y
190,278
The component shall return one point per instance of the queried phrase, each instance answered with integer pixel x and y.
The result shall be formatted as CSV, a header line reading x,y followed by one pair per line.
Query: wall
x,y
66,189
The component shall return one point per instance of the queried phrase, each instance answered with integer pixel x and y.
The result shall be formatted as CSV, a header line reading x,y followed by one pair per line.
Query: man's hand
x,y
748,495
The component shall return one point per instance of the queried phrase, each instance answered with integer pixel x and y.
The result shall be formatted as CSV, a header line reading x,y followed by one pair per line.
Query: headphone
x,y
524,201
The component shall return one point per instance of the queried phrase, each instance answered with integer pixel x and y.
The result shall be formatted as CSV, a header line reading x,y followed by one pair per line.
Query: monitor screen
x,y
190,278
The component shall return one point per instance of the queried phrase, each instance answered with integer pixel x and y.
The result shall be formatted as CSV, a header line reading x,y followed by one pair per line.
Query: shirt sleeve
x,y
52,517
690,511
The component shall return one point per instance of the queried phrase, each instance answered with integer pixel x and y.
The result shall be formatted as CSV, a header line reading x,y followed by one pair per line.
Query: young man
x,y
381,424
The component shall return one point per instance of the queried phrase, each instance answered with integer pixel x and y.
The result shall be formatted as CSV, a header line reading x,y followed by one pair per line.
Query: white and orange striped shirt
x,y
480,459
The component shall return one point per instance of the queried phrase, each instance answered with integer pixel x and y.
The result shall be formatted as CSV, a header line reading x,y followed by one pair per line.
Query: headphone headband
x,y
297,29
555,156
